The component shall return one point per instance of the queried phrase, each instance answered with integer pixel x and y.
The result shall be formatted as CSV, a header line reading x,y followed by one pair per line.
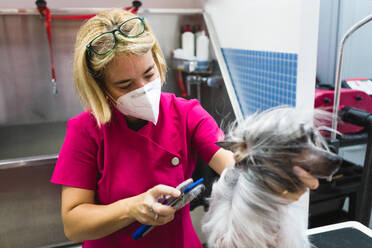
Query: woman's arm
x,y
85,220
221,159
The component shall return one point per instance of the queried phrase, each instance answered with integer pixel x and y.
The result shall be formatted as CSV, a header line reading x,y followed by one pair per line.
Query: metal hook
x,y
54,87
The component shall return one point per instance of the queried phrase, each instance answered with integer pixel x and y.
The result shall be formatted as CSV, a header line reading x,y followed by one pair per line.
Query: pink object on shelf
x,y
353,98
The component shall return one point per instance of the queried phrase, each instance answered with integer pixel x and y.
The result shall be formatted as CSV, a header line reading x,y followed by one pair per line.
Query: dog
x,y
248,207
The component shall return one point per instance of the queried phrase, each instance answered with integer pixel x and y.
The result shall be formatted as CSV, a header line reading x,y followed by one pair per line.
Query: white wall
x,y
289,26
336,17
357,61
327,40
264,25
307,54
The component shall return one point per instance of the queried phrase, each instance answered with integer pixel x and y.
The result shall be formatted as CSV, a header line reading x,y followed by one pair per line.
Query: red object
x,y
181,84
187,28
356,79
45,12
78,17
352,98
132,9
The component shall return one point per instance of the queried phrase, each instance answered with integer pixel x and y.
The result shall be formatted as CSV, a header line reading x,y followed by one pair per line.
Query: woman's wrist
x,y
126,208
130,206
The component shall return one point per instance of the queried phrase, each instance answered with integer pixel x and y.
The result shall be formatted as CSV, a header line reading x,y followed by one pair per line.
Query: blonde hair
x,y
89,69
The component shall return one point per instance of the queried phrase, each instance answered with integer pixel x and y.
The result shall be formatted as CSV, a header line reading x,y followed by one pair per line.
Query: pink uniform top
x,y
118,162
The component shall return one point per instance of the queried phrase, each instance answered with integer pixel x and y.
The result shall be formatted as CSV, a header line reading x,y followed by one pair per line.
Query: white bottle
x,y
197,33
202,47
188,41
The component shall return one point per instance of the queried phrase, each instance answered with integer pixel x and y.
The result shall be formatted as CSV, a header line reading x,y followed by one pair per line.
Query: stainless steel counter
x,y
18,141
29,203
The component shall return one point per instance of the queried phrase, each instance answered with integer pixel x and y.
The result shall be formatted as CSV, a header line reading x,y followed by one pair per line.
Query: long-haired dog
x,y
248,208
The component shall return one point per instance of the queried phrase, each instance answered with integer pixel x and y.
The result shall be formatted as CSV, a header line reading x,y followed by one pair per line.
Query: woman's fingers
x,y
155,213
162,190
306,178
162,209
161,220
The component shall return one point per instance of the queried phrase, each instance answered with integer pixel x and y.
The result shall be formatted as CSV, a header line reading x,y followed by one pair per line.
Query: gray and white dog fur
x,y
247,208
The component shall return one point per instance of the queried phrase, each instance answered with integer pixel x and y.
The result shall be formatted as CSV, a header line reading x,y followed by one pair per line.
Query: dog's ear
x,y
239,149
231,145
228,145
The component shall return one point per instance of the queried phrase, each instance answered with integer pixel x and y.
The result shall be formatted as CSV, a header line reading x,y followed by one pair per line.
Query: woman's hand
x,y
147,210
310,181
306,178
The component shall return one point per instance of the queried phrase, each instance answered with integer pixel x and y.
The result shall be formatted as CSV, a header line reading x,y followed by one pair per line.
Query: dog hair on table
x,y
247,204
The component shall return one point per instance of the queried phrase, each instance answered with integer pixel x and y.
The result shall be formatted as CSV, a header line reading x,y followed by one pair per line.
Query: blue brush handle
x,y
139,233
193,185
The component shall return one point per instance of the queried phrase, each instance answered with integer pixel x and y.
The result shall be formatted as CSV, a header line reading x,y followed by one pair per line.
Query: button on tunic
x,y
118,162
175,161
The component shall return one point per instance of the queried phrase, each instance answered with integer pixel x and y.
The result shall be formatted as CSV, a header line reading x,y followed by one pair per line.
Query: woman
x,y
134,144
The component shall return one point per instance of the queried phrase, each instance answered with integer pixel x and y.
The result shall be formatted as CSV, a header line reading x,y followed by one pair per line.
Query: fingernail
x,y
298,171
315,185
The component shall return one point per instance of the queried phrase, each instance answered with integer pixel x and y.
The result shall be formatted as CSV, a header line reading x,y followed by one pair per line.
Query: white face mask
x,y
142,103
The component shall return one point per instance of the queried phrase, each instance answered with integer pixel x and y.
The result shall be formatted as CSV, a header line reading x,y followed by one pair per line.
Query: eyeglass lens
x,y
103,43
132,28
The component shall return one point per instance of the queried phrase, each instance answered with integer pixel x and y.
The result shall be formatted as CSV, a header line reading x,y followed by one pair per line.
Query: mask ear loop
x,y
109,97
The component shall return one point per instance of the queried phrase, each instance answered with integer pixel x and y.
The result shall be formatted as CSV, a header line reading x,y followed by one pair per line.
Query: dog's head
x,y
271,143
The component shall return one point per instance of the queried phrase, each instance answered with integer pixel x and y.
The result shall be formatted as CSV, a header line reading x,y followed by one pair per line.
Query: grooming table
x,y
345,234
